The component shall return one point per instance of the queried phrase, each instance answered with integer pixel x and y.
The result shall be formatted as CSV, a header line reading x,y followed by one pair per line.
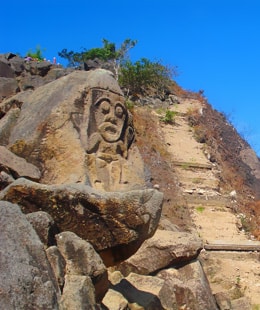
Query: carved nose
x,y
111,119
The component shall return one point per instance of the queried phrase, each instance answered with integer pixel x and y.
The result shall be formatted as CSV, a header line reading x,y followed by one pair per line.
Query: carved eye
x,y
119,111
105,107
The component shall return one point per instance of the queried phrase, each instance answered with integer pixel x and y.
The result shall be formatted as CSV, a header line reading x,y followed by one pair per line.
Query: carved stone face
x,y
110,116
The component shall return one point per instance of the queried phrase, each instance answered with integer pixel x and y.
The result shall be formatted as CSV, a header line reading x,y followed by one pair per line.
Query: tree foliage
x,y
143,75
135,78
107,53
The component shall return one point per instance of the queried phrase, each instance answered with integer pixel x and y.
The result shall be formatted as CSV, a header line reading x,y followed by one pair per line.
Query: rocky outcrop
x,y
19,74
69,160
184,287
82,132
8,87
115,223
27,279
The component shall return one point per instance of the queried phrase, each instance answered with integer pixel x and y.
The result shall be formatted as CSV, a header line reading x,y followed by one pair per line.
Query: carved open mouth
x,y
110,129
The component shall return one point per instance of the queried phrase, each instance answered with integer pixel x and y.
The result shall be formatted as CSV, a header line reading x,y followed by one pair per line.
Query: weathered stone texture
x,y
81,132
17,166
44,226
81,259
186,287
58,264
115,223
27,280
164,249
78,293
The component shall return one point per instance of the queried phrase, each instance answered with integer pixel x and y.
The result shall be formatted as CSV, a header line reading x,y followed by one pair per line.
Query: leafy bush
x,y
37,54
107,53
144,74
135,78
76,58
168,117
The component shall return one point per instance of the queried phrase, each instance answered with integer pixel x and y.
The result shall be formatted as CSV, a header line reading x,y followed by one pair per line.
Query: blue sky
x,y
214,43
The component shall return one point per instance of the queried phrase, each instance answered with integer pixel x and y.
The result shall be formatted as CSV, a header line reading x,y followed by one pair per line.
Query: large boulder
x,y
186,288
58,264
17,166
116,223
77,129
45,227
82,260
14,62
40,68
164,249
27,280
5,70
78,293
8,87
141,292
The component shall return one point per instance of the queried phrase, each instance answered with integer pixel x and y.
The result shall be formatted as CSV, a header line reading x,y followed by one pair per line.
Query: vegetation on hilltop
x,y
37,54
134,77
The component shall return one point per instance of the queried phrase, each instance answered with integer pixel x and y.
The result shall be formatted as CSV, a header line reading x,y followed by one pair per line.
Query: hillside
x,y
200,135
198,186
106,203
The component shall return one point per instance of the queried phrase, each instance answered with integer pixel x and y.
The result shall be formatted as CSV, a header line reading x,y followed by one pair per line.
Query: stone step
x,y
224,245
190,165
206,201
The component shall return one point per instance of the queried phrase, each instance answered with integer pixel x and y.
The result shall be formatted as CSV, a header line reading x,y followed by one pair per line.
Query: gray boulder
x,y
8,87
78,293
58,264
17,166
29,81
40,68
142,291
45,227
27,280
16,63
164,249
6,71
186,288
82,260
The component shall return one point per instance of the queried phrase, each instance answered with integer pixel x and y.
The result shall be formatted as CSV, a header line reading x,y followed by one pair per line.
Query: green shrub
x,y
130,105
37,54
107,53
142,75
169,117
200,209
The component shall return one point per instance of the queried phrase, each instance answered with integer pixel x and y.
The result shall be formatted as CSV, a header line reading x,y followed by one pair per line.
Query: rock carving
x,y
107,132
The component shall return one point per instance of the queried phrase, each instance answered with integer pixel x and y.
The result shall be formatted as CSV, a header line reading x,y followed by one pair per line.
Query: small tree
x,y
122,56
107,53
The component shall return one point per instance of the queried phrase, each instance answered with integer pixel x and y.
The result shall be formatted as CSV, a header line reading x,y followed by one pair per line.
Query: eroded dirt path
x,y
237,273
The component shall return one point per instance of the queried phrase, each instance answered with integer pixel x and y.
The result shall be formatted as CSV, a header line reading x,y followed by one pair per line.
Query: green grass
x,y
200,209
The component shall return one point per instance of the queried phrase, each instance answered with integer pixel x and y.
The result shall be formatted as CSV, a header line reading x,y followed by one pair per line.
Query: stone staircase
x,y
219,227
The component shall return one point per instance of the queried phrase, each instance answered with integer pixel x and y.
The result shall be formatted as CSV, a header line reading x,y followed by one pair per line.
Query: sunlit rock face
x,y
78,134
76,129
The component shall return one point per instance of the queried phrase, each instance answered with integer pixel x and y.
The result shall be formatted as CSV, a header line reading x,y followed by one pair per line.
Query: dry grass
x,y
151,144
